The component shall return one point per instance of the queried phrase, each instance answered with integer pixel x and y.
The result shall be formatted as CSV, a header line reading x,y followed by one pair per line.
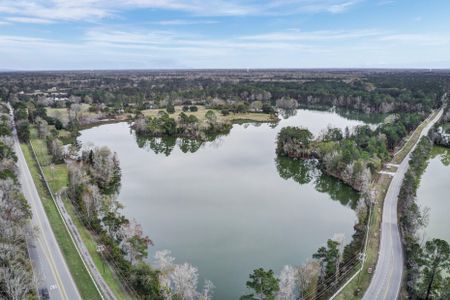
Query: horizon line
x,y
230,69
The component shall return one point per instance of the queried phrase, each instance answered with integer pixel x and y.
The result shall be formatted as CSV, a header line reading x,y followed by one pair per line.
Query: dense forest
x,y
356,90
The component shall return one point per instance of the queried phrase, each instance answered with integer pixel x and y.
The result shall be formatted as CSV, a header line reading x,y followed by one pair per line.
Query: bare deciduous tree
x,y
287,283
185,278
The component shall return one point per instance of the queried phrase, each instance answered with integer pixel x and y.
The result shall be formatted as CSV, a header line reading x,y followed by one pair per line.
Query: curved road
x,y
387,278
48,262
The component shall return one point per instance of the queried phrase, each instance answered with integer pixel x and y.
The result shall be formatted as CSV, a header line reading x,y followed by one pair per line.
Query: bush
x,y
193,108
170,109
23,131
267,109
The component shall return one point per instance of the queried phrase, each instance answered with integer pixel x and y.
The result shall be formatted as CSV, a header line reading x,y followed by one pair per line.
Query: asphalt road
x,y
387,278
48,262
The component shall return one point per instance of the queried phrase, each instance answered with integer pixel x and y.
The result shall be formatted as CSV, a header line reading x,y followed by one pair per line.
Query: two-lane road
x,y
48,262
387,278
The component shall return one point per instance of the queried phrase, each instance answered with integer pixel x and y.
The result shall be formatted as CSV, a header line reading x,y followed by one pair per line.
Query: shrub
x,y
170,109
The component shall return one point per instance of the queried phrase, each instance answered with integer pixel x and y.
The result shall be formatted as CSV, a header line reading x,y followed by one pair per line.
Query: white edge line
x,y
65,224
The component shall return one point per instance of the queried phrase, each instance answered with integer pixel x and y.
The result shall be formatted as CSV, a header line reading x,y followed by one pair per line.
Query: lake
x,y
229,206
434,193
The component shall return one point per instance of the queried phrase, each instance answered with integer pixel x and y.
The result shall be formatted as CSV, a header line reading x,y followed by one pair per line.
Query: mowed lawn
x,y
62,114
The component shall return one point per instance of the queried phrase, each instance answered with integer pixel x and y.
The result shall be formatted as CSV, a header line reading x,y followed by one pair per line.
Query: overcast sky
x,y
154,34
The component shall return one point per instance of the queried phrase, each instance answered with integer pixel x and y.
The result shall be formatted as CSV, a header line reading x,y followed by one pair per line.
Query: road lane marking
x,y
45,249
379,279
391,269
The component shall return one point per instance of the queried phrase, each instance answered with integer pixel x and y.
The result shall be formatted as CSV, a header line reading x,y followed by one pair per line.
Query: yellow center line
x,y
55,272
391,269
46,248
392,255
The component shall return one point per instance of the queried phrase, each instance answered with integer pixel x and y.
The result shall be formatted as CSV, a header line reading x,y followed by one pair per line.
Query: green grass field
x,y
62,114
232,117
57,177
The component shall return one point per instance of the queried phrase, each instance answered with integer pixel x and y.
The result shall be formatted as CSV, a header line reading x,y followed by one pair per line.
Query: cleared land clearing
x,y
62,114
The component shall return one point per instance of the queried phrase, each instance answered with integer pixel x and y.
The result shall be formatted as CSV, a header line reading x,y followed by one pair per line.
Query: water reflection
x,y
287,113
371,119
158,145
306,171
228,205
433,193
301,171
166,144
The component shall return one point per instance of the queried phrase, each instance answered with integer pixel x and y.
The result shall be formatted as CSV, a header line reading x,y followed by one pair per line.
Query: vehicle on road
x,y
44,294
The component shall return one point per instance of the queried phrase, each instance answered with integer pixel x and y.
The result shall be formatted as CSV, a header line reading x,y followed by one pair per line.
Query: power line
x,y
118,272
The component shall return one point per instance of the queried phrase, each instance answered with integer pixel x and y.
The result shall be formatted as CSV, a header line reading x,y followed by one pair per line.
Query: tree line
x,y
364,91
186,126
16,273
427,265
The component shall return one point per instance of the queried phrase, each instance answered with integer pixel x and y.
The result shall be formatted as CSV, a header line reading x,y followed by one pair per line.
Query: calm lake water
x,y
230,206
434,193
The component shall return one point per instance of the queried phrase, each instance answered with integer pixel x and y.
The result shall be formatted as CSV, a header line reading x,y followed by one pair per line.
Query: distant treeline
x,y
366,92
